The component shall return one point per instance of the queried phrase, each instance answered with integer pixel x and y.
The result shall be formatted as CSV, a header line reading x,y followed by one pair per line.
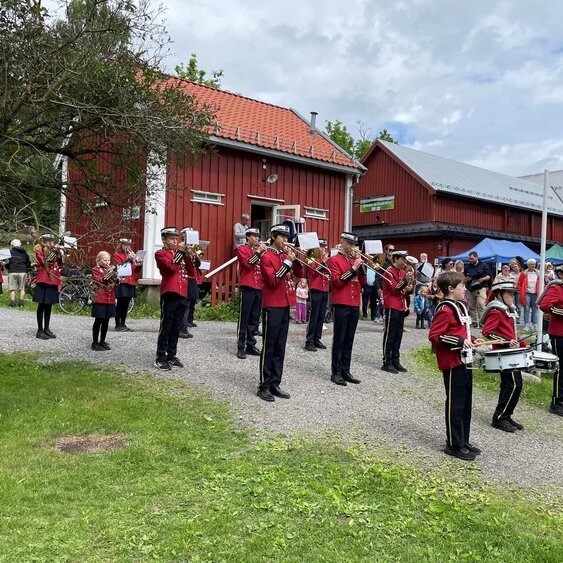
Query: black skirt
x,y
193,290
103,310
46,294
125,290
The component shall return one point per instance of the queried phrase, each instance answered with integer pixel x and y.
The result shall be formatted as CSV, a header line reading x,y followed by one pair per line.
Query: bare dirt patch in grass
x,y
89,444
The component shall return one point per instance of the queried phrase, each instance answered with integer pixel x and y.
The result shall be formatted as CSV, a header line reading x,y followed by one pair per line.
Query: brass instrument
x,y
374,263
304,260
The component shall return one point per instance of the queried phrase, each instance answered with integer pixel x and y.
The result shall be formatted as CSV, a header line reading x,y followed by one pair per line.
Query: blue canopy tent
x,y
492,250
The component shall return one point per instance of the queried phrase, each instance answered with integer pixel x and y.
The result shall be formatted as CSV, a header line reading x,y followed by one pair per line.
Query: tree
x,y
87,86
195,74
384,135
338,133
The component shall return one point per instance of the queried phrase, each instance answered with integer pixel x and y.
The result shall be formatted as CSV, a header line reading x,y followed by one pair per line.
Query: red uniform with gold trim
x,y
346,283
104,290
48,271
173,268
552,304
318,275
120,258
249,273
279,288
447,332
499,326
394,288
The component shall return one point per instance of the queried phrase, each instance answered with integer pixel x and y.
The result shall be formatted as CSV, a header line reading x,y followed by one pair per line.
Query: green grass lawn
x,y
190,485
538,394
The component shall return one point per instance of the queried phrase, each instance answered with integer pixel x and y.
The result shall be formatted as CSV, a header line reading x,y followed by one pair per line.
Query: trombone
x,y
303,257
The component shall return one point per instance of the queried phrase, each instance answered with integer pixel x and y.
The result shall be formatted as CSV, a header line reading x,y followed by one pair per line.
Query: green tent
x,y
555,254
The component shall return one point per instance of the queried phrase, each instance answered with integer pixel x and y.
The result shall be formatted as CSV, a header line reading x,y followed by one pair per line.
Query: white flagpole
x,y
542,254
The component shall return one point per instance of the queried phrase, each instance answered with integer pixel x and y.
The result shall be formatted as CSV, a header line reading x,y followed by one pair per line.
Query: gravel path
x,y
406,411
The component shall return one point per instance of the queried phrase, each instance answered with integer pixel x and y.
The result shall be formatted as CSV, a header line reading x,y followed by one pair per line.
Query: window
x,y
207,197
316,213
132,212
100,202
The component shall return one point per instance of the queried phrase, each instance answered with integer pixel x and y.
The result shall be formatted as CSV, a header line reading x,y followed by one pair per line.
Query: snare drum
x,y
509,358
545,363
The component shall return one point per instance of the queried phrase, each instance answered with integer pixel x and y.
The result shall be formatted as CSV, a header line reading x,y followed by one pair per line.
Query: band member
x,y
396,285
347,279
450,329
49,259
551,302
173,264
499,324
194,262
250,283
278,295
127,288
318,274
104,277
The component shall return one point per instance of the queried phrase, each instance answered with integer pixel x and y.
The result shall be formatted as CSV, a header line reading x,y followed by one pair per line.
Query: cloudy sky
x,y
478,81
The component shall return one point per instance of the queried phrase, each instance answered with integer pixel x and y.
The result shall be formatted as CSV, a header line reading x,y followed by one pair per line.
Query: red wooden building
x,y
265,160
425,203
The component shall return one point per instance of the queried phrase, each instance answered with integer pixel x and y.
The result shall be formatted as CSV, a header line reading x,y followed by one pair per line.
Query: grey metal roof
x,y
458,178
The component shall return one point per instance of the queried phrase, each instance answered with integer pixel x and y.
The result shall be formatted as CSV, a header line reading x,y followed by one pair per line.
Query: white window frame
x,y
282,212
316,213
210,198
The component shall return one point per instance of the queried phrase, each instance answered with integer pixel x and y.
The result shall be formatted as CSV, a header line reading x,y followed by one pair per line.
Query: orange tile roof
x,y
253,122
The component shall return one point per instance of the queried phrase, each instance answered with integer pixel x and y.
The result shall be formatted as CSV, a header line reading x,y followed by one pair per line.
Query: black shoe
x,y
338,380
503,425
473,449
119,328
252,351
125,328
320,345
389,368
97,347
49,333
347,376
516,425
192,325
174,362
241,355
12,303
21,303
185,334
277,392
400,368
105,345
460,453
162,363
266,395
310,347
41,335
556,409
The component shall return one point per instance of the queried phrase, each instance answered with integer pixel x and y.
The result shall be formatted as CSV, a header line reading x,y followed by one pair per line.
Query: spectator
x,y
549,273
459,266
504,275
302,294
240,230
419,284
435,295
528,287
515,271
421,306
477,281
370,295
18,265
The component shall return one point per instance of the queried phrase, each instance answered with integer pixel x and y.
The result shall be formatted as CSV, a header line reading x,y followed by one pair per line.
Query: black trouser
x,y
172,308
510,389
100,325
275,325
557,347
459,389
121,310
345,323
392,336
369,297
193,294
319,301
248,317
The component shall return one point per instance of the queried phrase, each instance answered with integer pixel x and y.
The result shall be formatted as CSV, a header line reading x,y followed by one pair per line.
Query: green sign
x,y
377,204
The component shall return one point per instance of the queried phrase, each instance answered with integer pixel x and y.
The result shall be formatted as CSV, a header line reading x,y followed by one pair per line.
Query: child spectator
x,y
434,296
421,306
105,279
302,294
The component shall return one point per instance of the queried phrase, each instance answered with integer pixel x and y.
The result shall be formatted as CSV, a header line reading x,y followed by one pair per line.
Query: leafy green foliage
x,y
189,485
338,132
192,72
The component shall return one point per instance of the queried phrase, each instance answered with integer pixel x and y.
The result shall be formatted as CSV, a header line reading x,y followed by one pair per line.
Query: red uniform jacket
x,y
499,326
48,271
394,284
317,280
447,332
552,303
279,288
104,290
249,272
346,283
192,266
121,258
173,267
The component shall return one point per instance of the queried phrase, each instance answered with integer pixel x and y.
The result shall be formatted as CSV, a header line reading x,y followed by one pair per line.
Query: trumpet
x,y
307,261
